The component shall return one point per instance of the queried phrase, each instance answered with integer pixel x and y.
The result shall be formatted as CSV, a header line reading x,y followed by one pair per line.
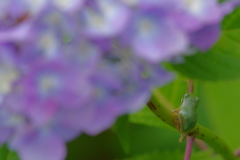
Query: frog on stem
x,y
185,117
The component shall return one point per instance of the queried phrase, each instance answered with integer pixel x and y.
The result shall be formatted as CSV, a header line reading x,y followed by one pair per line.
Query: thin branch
x,y
190,140
188,151
199,143
190,86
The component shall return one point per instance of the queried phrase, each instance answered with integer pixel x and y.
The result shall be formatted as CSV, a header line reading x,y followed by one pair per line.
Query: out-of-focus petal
x,y
69,5
41,147
205,37
104,19
155,37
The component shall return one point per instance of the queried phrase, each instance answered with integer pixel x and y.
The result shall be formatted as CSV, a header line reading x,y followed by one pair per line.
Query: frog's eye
x,y
186,95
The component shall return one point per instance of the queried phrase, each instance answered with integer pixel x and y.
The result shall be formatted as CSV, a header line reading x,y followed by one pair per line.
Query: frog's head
x,y
190,99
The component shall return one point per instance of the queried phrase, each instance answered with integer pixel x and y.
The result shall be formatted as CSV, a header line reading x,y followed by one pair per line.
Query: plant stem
x,y
200,143
159,108
218,144
190,140
190,86
189,146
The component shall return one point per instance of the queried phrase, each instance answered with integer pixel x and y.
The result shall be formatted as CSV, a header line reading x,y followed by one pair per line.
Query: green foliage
x,y
222,61
5,154
12,156
122,131
232,21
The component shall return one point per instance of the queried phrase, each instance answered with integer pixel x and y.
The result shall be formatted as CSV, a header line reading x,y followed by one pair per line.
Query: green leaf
x,y
232,21
5,154
222,61
12,156
121,127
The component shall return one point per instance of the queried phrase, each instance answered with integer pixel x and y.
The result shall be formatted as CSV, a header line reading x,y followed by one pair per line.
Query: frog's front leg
x,y
179,122
182,123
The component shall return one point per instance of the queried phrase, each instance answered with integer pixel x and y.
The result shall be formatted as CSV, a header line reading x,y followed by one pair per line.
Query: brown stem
x,y
190,86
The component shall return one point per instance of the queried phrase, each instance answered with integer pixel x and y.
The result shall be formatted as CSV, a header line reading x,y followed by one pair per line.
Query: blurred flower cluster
x,y
72,66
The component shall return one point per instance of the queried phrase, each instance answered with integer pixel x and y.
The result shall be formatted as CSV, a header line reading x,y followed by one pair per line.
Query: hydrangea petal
x,y
193,14
99,19
156,38
205,37
39,147
69,5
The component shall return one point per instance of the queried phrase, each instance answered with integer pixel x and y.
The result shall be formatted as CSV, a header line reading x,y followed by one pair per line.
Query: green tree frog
x,y
185,117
